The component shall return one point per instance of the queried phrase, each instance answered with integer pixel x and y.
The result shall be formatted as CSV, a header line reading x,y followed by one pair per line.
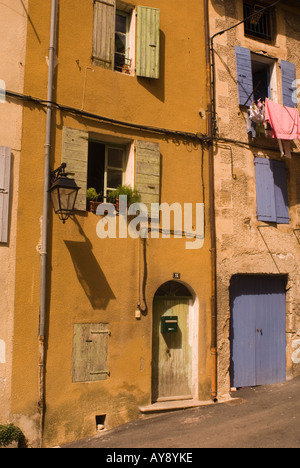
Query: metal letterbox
x,y
169,324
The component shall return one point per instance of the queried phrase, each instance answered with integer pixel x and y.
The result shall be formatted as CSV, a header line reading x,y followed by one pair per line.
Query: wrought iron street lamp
x,y
63,192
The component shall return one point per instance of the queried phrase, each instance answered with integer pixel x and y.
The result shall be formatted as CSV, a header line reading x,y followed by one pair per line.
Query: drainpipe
x,y
43,290
209,79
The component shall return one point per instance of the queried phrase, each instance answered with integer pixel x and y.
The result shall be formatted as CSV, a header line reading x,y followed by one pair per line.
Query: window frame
x,y
270,16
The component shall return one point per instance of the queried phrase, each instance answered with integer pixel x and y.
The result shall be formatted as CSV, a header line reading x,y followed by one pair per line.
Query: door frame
x,y
193,337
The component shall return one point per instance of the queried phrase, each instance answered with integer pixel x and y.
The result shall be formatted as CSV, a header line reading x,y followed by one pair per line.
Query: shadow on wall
x,y
89,273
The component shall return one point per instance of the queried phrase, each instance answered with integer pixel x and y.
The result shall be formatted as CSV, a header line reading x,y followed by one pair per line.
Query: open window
x,y
256,77
125,38
104,163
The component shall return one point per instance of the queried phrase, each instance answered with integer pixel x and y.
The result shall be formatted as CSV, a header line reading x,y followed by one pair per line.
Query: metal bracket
x,y
100,373
101,332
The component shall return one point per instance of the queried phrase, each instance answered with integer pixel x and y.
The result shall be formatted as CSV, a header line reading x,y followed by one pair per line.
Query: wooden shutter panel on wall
x,y
266,207
75,155
5,169
90,352
104,33
281,193
288,76
244,75
147,57
147,173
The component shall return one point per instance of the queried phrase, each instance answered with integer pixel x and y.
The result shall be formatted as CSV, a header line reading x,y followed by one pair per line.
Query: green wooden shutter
x,y
104,33
147,58
147,173
90,352
5,169
75,155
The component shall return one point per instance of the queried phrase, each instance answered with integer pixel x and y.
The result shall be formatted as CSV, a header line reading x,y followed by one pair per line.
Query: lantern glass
x,y
63,195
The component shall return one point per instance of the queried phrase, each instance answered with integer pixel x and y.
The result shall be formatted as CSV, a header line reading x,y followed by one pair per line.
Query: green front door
x,y
172,351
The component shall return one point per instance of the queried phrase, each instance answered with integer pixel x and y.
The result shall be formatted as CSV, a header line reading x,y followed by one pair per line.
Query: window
x,y
261,24
124,41
106,164
256,77
271,191
99,163
122,59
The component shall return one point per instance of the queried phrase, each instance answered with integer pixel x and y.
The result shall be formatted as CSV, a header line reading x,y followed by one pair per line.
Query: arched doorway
x,y
173,338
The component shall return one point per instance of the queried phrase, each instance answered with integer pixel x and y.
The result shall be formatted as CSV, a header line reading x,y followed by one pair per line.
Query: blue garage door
x,y
258,341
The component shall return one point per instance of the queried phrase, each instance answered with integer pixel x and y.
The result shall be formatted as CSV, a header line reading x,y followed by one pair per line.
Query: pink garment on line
x,y
285,121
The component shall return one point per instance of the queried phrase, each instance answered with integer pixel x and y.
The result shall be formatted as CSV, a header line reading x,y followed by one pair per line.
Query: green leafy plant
x,y
10,433
91,194
132,194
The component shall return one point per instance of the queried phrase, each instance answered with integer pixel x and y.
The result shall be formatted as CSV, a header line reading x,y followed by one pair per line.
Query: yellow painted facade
x,y
102,281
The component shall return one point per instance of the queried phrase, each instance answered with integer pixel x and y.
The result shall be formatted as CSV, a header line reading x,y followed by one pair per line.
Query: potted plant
x,y
92,198
132,195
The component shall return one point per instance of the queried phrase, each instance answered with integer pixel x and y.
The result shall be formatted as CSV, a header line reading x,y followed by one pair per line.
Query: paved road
x,y
259,417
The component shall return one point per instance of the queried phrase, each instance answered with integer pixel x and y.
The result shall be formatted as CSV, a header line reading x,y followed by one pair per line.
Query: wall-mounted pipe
x,y
209,78
43,287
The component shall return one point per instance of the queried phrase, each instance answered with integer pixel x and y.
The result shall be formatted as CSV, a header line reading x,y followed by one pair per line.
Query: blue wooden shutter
x,y
244,75
147,54
288,76
5,168
266,206
281,194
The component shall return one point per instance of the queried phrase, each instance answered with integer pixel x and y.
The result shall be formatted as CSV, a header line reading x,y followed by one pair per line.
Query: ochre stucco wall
x,y
97,281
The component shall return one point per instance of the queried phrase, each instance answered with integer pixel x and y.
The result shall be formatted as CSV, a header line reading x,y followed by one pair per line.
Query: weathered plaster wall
x,y
13,26
244,246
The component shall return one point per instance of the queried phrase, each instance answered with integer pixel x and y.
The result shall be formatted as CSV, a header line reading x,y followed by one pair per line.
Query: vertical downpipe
x,y
209,79
43,290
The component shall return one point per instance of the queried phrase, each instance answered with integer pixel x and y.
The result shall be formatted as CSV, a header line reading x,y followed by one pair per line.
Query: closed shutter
x,y
147,59
271,191
281,194
90,352
5,169
266,207
147,174
288,76
104,33
244,75
75,155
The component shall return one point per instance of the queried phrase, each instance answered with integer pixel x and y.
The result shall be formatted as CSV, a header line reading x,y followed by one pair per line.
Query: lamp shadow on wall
x,y
89,273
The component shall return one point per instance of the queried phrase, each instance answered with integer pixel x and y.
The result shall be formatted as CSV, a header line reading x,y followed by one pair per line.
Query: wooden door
x,y
172,352
258,339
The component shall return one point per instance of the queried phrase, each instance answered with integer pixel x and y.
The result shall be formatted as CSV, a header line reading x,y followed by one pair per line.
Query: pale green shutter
x,y
147,173
90,352
75,155
104,33
5,169
147,59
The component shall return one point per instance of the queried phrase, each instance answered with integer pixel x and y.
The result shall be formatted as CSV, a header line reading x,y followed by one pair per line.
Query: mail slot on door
x,y
169,324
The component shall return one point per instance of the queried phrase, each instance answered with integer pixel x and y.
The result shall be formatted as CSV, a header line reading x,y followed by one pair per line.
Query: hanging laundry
x,y
285,124
285,121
